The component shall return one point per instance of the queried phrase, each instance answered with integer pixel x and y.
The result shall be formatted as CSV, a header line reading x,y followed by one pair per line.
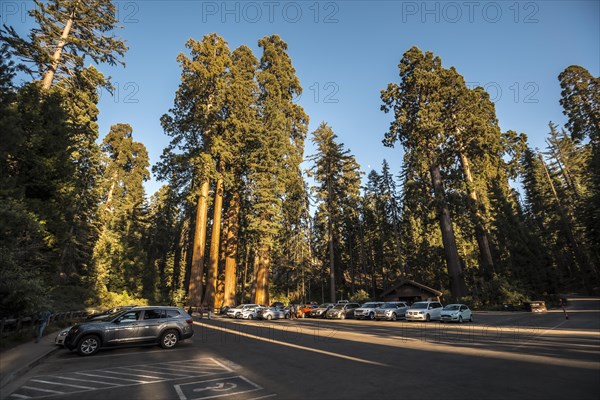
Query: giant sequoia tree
x,y
195,124
420,125
274,162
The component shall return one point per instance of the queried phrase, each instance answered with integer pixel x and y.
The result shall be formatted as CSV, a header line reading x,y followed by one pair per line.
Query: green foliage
x,y
87,40
360,296
106,299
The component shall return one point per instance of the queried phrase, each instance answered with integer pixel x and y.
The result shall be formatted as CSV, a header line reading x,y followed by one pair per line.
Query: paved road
x,y
499,356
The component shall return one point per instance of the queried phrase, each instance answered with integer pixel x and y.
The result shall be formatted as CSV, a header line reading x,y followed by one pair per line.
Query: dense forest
x,y
245,215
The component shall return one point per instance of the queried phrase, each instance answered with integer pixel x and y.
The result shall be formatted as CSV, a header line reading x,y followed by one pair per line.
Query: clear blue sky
x,y
345,52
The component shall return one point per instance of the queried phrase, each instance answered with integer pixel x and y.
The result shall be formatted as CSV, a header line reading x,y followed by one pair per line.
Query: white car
x,y
272,313
456,312
250,313
424,311
236,312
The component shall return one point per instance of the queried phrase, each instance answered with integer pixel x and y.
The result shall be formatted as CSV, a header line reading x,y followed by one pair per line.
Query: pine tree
x,y
119,257
581,104
338,177
68,32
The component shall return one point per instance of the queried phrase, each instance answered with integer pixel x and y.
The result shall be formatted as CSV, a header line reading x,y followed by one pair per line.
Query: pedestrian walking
x,y
293,312
43,319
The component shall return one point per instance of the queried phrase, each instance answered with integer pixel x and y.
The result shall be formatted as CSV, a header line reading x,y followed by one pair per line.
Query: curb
x,y
26,367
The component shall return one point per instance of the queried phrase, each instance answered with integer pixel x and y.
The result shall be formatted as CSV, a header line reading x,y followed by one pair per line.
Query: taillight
x,y
189,321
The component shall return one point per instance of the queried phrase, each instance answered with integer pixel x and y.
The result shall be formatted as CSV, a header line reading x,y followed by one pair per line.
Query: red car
x,y
304,312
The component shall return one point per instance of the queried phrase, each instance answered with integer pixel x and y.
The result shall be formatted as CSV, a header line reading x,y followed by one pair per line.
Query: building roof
x,y
409,282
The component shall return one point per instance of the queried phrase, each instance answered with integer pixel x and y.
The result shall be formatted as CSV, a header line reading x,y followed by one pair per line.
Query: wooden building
x,y
410,291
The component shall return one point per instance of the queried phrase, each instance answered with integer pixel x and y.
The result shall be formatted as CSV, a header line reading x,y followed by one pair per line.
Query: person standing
x,y
43,320
293,312
201,311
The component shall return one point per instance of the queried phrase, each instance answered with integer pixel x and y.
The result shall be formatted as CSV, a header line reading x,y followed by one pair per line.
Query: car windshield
x,y
452,307
324,305
419,306
339,307
389,305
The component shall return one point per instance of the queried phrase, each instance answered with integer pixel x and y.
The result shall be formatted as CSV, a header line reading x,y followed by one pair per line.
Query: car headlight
x,y
421,312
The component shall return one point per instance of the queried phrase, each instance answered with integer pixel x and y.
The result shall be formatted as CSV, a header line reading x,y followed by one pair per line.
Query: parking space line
x,y
159,372
125,373
111,377
123,376
20,396
61,384
42,390
86,380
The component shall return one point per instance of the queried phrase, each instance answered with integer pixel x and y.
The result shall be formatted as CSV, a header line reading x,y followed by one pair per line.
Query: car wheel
x,y
169,339
460,320
88,345
427,318
394,317
471,318
371,316
269,317
250,316
238,315
342,316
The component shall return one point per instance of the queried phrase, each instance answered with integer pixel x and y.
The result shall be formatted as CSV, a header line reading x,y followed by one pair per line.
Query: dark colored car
x,y
161,325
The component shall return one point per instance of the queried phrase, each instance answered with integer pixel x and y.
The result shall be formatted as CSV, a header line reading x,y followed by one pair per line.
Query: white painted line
x,y
61,384
86,380
541,334
296,346
42,390
111,377
20,396
263,397
221,365
185,369
125,373
159,372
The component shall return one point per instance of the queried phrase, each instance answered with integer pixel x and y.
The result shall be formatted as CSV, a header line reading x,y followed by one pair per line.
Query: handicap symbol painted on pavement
x,y
213,388
218,387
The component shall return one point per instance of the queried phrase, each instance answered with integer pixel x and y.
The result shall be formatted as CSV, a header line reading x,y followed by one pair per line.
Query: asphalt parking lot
x,y
501,355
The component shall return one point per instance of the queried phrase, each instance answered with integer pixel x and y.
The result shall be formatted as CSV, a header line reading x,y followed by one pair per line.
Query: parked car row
x,y
391,311
394,310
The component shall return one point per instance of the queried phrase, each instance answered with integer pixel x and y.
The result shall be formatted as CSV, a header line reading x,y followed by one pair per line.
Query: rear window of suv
x,y
172,313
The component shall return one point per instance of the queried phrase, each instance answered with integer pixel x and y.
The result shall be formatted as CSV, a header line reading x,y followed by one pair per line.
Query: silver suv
x,y
138,326
366,311
393,310
424,311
